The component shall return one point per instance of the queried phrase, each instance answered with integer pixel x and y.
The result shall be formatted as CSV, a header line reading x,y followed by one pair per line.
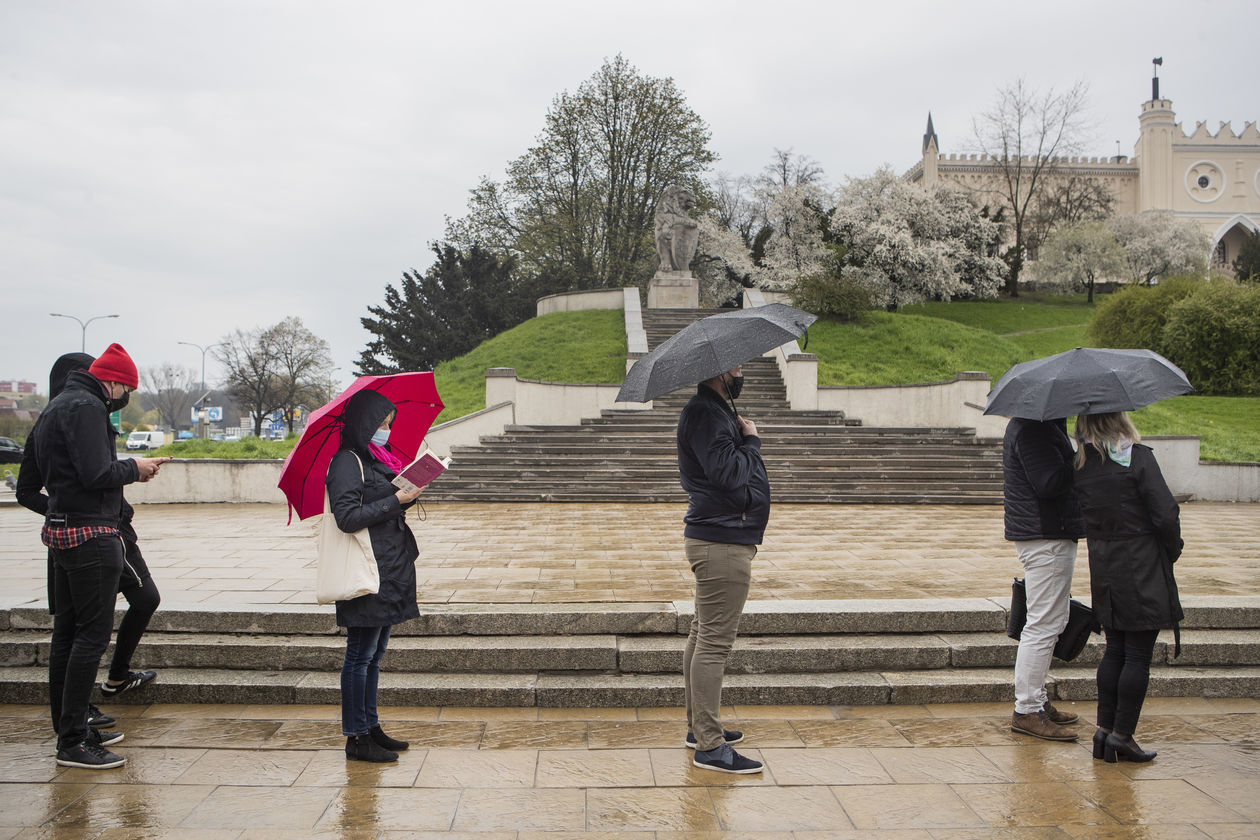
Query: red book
x,y
421,471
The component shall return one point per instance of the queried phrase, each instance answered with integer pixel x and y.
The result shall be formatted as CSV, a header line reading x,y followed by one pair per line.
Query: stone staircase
x,y
811,456
592,655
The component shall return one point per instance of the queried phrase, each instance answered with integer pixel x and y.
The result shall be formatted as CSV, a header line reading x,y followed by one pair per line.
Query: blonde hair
x,y
1103,430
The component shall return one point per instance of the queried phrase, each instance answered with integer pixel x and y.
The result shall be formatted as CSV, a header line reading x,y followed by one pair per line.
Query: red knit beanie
x,y
114,365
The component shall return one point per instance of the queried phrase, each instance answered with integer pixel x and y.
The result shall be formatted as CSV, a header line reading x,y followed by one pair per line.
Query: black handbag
x,y
1075,635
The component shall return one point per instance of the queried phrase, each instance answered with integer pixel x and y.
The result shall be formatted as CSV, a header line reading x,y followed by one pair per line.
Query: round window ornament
x,y
1205,181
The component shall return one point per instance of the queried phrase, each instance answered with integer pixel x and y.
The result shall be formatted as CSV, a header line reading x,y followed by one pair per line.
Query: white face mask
x,y
381,437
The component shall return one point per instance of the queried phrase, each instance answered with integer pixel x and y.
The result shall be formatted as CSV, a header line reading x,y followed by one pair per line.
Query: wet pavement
x,y
210,772
241,555
947,772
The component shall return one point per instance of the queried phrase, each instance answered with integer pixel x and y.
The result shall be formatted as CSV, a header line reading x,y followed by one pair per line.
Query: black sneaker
x,y
134,679
98,718
725,760
727,735
90,756
105,739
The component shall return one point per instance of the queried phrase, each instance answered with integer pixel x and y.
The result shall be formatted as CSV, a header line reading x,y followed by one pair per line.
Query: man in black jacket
x,y
1043,518
78,466
719,459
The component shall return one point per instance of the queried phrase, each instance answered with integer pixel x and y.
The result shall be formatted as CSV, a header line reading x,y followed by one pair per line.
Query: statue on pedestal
x,y
677,234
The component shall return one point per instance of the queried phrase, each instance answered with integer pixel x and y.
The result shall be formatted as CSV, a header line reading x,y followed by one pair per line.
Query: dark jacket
x,y
368,501
722,472
74,457
1037,496
1133,527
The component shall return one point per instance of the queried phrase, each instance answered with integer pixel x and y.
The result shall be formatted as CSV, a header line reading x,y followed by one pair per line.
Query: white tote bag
x,y
347,565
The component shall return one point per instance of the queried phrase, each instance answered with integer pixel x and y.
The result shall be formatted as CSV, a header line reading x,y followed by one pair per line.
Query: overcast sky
x,y
197,167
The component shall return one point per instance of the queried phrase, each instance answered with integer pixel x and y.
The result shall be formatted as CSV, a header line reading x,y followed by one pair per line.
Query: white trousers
x,y
1048,566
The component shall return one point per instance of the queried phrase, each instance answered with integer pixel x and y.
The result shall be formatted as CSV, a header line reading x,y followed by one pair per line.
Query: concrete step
x,y
175,685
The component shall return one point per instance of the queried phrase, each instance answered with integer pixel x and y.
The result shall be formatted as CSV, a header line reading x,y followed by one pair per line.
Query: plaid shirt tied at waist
x,y
63,538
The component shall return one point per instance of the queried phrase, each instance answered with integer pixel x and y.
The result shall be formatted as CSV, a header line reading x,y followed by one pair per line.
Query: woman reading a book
x,y
361,495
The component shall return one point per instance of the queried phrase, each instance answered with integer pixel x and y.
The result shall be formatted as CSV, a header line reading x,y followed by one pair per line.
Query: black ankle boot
x,y
1123,746
382,740
363,748
1100,739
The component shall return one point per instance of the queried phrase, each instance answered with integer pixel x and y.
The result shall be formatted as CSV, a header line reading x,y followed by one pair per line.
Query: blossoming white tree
x,y
906,244
1158,244
1077,255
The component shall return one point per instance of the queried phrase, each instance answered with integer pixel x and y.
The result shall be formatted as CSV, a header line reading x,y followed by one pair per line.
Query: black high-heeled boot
x,y
1100,739
363,748
382,740
1123,746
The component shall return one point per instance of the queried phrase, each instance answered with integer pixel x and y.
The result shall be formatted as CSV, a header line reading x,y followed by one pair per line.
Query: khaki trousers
x,y
723,573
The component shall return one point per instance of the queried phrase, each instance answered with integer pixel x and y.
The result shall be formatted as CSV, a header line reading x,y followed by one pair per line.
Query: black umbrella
x,y
712,346
1086,381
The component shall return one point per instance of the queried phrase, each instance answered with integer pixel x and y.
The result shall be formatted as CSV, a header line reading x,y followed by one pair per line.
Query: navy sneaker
x,y
725,760
105,739
89,755
134,679
727,735
98,718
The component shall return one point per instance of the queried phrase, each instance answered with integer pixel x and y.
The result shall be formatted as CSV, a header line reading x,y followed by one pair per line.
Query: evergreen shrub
x,y
1135,316
1214,336
831,296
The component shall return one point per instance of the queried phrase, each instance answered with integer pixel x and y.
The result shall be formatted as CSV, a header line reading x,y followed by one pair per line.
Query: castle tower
x,y
1154,152
931,151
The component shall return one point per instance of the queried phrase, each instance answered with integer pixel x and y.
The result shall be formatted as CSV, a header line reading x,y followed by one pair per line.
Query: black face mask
x,y
120,403
734,386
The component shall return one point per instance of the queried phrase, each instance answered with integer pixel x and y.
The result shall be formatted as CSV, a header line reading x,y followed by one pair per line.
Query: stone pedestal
x,y
673,290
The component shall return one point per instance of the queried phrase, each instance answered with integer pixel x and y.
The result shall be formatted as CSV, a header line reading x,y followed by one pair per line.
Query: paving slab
x,y
241,560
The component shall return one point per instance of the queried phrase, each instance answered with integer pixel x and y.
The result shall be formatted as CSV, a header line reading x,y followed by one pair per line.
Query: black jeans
x,y
142,601
86,584
1123,675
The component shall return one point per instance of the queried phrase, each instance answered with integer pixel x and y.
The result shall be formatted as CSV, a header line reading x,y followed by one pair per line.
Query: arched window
x,y
1219,255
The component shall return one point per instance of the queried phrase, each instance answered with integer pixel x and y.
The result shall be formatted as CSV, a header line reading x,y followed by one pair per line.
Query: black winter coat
x,y
368,501
1038,500
1133,528
73,457
722,472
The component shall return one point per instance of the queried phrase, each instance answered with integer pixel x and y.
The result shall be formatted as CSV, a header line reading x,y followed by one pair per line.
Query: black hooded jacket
x,y
1037,495
366,500
71,454
727,488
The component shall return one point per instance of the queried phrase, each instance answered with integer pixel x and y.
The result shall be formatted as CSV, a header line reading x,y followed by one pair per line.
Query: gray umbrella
x,y
1086,381
712,346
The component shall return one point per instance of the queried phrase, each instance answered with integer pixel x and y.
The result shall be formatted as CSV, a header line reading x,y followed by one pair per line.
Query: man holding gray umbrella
x,y
719,462
719,459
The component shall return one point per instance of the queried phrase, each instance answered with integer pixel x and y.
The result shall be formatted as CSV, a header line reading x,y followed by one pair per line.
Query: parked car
x,y
145,440
10,451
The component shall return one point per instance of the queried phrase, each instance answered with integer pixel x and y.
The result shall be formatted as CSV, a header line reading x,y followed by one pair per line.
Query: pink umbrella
x,y
302,476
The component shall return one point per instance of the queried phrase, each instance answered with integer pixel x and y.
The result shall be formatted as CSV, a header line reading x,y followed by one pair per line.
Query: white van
x,y
145,440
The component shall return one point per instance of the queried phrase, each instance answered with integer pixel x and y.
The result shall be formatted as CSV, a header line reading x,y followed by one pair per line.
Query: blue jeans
x,y
360,674
85,581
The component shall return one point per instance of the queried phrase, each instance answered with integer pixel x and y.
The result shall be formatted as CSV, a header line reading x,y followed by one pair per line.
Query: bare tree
x,y
1024,132
302,366
169,388
251,360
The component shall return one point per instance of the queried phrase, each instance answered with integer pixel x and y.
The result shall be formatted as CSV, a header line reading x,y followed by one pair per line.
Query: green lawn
x,y
561,347
1227,425
243,449
1010,315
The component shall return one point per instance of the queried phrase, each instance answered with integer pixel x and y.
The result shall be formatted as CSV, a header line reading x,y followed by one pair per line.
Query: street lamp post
x,y
83,324
204,349
202,425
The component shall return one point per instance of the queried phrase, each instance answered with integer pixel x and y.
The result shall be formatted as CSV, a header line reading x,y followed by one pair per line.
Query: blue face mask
x,y
381,437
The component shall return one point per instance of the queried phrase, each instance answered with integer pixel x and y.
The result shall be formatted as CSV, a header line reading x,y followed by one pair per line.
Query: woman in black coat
x,y
361,495
1134,532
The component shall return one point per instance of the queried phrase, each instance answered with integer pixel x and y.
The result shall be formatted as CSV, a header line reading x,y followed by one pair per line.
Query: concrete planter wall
x,y
957,403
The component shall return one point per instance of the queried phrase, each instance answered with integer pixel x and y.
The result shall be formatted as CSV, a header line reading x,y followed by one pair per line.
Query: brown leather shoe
x,y
1039,725
1059,717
